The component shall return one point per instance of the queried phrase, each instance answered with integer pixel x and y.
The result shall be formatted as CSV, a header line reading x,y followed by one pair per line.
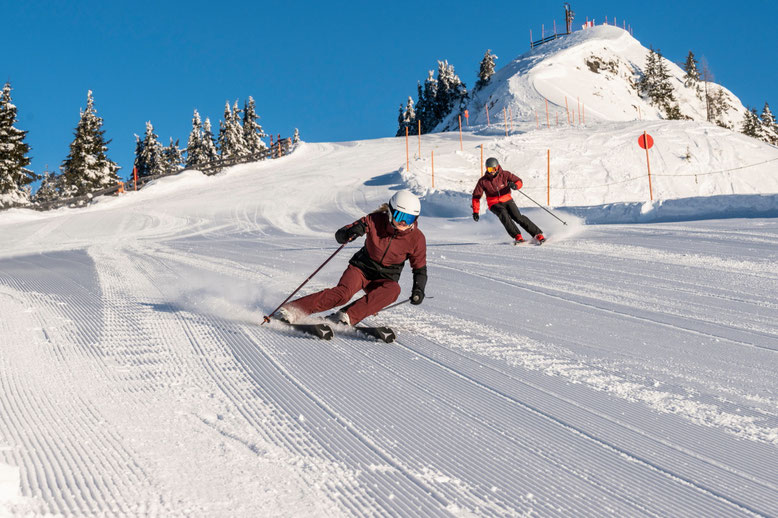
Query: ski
x,y
322,331
383,333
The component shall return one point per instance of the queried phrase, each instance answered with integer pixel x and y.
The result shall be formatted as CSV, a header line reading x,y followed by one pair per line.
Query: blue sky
x,y
335,70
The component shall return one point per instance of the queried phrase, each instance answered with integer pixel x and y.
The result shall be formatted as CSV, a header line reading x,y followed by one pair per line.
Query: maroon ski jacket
x,y
495,187
386,248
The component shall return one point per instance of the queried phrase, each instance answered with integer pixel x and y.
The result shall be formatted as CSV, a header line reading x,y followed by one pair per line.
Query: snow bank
x,y
684,209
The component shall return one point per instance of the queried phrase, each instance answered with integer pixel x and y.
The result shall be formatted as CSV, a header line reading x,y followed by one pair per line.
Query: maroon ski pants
x,y
378,294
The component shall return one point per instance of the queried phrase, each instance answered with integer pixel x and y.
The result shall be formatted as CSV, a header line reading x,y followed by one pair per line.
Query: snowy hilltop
x,y
594,74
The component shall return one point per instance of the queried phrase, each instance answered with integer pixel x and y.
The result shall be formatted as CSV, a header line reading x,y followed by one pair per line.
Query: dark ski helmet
x,y
492,165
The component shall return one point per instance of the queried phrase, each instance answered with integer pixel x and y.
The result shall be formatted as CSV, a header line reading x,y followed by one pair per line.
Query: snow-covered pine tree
x,y
451,91
421,107
663,94
195,149
486,70
656,85
400,122
50,189
14,176
692,76
237,121
296,136
252,131
87,168
429,119
751,123
138,164
173,157
718,104
647,81
407,118
209,142
231,133
150,162
769,129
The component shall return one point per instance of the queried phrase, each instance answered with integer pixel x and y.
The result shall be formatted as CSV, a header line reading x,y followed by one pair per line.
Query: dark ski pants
x,y
378,294
507,213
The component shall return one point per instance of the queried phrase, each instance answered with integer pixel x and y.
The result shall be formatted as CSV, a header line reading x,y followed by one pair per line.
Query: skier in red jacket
x,y
497,184
392,236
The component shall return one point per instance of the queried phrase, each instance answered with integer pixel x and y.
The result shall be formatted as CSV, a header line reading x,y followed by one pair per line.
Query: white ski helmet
x,y
404,207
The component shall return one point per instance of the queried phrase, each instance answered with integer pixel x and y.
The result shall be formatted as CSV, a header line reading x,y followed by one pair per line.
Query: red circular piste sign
x,y
645,141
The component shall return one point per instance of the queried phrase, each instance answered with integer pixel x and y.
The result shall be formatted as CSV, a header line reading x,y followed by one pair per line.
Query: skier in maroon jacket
x,y
392,236
497,185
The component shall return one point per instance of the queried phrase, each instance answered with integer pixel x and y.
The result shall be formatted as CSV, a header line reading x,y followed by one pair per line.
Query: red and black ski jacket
x,y
387,248
495,187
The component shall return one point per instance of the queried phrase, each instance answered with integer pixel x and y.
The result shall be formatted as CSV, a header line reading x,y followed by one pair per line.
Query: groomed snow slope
x,y
624,370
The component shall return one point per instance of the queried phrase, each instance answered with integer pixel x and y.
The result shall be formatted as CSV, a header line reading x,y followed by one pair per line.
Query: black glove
x,y
475,216
512,185
347,234
419,283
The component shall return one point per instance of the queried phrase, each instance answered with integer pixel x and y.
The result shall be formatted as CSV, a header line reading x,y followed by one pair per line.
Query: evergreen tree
x,y
486,70
296,136
428,117
450,93
663,94
769,129
172,157
195,148
718,104
421,107
14,175
655,84
648,79
751,123
87,168
50,189
209,142
252,131
149,161
692,76
138,165
407,118
231,133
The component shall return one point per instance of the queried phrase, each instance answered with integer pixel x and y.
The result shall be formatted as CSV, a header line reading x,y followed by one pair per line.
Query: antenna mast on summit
x,y
569,15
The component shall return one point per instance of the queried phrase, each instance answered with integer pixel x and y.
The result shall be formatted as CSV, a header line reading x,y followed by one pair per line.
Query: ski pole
x,y
542,207
399,304
267,318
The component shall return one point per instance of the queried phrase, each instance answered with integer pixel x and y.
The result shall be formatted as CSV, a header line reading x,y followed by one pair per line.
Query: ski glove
x,y
419,283
475,216
515,185
347,234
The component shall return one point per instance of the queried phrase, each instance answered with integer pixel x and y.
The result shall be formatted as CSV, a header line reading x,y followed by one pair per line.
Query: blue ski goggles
x,y
403,217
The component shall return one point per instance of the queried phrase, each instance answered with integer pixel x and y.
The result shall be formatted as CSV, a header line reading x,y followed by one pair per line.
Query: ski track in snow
x,y
617,370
